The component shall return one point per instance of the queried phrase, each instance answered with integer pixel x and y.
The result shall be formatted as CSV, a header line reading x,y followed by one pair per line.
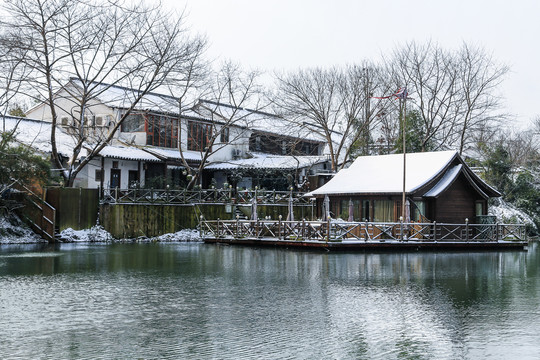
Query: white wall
x,y
86,178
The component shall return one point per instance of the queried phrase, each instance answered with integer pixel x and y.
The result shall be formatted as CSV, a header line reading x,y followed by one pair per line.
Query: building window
x,y
365,211
224,136
419,211
99,175
199,136
133,179
383,210
479,208
133,123
162,131
115,164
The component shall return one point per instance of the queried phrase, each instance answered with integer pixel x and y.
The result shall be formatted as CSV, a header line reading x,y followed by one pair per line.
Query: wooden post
x,y
257,228
328,230
279,227
435,231
401,228
201,226
466,229
367,230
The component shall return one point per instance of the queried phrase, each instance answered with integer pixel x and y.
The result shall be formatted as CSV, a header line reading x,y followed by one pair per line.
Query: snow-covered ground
x,y
13,231
99,234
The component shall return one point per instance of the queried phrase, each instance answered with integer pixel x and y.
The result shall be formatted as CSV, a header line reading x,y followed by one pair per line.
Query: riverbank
x,y
14,231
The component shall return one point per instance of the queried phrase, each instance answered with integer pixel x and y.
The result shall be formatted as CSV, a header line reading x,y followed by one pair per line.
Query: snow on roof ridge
x,y
74,79
239,107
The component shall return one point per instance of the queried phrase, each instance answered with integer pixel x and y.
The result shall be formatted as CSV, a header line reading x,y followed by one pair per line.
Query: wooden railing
x,y
40,215
222,196
360,231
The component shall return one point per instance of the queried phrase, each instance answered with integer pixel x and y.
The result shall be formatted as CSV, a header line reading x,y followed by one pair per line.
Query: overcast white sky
x,y
291,34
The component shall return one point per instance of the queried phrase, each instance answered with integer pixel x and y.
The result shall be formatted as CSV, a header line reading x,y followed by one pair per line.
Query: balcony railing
x,y
216,196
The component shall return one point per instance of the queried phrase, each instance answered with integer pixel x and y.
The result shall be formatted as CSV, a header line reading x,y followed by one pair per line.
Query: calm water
x,y
177,301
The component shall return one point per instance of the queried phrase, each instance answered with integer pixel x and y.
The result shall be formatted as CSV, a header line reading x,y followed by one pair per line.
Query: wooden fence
x,y
360,231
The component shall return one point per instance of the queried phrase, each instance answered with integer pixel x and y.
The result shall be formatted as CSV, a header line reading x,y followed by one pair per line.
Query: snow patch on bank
x,y
14,231
99,234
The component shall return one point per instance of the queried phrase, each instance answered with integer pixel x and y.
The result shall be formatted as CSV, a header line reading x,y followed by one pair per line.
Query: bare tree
x,y
431,78
227,116
454,91
334,103
13,73
479,77
97,46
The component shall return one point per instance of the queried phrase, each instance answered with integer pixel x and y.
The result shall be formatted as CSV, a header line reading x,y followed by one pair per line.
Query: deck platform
x,y
410,245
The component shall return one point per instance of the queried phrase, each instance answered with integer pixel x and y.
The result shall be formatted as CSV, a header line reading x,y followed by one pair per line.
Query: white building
x,y
150,143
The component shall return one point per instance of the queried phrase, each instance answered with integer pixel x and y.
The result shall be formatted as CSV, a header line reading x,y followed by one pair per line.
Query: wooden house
x,y
439,186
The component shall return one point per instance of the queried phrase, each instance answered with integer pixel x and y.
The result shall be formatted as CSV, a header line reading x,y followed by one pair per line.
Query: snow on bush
x,y
508,214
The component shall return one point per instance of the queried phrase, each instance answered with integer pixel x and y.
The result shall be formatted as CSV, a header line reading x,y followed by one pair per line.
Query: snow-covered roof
x,y
384,173
256,120
164,153
127,153
37,134
122,98
267,161
445,181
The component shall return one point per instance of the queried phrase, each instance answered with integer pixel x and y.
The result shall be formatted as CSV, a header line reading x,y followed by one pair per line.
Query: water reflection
x,y
206,301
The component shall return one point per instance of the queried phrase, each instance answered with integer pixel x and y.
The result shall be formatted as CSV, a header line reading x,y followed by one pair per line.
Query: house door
x,y
115,178
133,178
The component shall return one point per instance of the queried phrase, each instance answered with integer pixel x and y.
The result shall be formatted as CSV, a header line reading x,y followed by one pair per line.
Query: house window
x,y
99,175
258,143
419,211
199,136
479,208
383,210
162,131
133,123
365,210
224,136
115,164
133,179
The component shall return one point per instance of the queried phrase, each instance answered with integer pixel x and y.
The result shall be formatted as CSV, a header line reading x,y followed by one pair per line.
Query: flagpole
x,y
403,124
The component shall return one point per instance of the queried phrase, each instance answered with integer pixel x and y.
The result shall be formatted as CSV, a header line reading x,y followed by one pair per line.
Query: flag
x,y
400,94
